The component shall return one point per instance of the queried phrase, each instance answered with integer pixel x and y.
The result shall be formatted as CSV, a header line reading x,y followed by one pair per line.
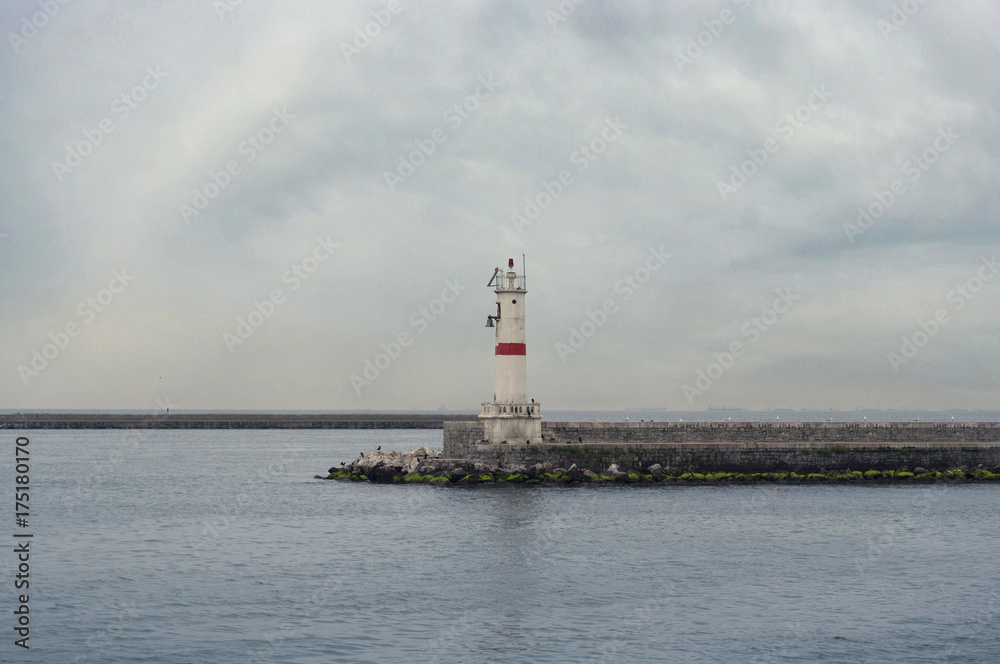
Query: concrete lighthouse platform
x,y
740,447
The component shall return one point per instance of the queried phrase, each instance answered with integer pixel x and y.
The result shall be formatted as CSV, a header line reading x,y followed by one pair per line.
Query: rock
x,y
590,474
655,470
379,459
385,474
613,470
559,471
422,451
547,467
919,469
573,472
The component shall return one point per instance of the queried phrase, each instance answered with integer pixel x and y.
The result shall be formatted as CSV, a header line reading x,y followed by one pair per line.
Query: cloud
x,y
352,119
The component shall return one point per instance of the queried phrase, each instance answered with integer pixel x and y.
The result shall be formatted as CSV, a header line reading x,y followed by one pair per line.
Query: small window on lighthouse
x,y
513,301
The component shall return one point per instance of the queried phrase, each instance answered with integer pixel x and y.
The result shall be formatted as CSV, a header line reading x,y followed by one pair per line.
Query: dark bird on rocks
x,y
379,447
362,454
342,463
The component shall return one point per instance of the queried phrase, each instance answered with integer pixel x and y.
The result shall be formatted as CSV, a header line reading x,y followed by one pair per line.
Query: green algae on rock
x,y
425,466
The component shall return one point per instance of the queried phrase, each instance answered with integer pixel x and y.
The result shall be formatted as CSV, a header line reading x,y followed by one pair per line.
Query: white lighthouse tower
x,y
510,417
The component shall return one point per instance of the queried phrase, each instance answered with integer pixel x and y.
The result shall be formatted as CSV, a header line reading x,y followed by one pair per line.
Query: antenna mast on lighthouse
x,y
510,418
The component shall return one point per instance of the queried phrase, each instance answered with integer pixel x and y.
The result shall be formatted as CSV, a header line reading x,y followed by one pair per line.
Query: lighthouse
x,y
510,418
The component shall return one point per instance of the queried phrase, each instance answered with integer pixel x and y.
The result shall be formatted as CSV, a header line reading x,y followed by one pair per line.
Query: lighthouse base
x,y
514,423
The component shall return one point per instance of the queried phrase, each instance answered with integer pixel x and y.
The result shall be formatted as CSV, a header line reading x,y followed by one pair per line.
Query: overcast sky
x,y
165,165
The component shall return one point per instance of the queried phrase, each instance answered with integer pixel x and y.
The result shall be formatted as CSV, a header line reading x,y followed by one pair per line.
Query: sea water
x,y
220,546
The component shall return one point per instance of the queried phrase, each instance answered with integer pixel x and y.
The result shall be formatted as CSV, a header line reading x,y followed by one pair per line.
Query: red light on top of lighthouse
x,y
510,263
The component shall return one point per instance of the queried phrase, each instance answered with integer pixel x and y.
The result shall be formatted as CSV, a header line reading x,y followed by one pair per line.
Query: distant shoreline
x,y
230,421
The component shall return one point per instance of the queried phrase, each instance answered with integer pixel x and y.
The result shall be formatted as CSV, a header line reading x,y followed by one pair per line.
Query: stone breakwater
x,y
162,420
747,448
425,466
698,452
461,437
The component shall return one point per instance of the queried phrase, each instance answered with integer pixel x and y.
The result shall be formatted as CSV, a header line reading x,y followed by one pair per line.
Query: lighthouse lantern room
x,y
510,417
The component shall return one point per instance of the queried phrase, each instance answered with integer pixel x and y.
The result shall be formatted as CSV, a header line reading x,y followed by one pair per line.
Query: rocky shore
x,y
425,466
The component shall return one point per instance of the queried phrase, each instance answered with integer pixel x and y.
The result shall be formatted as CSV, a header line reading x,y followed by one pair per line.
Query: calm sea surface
x,y
219,546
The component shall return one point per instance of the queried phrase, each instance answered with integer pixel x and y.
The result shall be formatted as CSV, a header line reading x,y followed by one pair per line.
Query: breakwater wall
x,y
739,446
228,421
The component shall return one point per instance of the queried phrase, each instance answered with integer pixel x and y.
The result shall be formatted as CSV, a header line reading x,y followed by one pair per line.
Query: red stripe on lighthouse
x,y
511,349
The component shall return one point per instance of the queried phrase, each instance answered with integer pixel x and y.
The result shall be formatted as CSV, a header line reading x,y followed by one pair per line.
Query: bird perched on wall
x,y
378,448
